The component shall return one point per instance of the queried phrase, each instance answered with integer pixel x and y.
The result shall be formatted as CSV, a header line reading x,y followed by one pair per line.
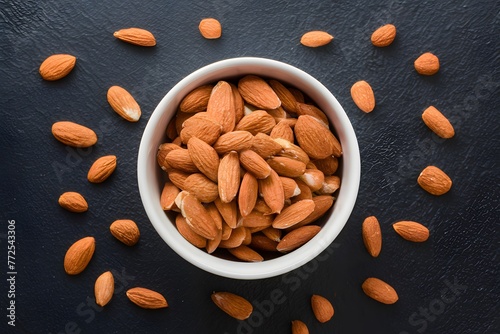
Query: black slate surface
x,y
448,284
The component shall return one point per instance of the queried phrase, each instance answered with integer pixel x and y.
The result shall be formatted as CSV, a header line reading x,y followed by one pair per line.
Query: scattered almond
x,y
73,201
322,308
136,36
384,36
411,231
438,123
74,134
434,181
104,288
126,231
298,327
314,39
372,236
101,169
379,290
234,305
78,255
146,298
57,66
427,64
210,28
363,97
123,103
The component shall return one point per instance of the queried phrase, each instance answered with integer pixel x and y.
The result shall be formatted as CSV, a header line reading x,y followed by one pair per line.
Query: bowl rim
x,y
343,205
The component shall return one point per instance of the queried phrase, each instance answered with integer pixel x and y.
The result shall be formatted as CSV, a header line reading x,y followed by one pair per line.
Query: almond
x,y
434,181
263,243
327,165
293,214
272,233
372,236
384,36
321,205
291,150
298,327
101,169
197,217
427,64
297,238
168,195
74,134
78,255
212,245
136,36
57,66
104,288
379,290
315,139
123,103
259,121
245,253
236,238
258,93
254,164
210,28
146,298
233,141
163,150
330,185
221,106
239,103
290,187
309,109
363,97
282,130
213,211
201,128
202,187
196,100
265,146
73,201
229,177
126,231
256,220
188,234
438,123
314,39
234,305
204,157
228,211
411,231
288,101
314,179
178,178
278,114
322,308
181,159
272,192
249,191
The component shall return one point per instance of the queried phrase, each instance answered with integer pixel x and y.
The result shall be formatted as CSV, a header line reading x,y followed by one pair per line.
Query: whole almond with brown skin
x,y
126,231
330,185
104,288
204,129
384,36
290,187
288,101
178,177
258,121
427,64
363,96
239,103
372,236
229,177
254,164
314,39
161,156
197,216
322,308
379,290
305,191
411,231
74,134
257,92
204,157
291,150
236,238
188,234
210,28
181,160
293,214
273,233
136,36
57,66
434,180
263,243
73,201
78,255
272,192
282,130
234,305
233,141
146,298
168,195
298,327
327,165
101,169
438,123
245,253
123,103
297,238
321,205
202,187
265,146
249,191
221,106
228,211
315,179
196,100
311,110
315,139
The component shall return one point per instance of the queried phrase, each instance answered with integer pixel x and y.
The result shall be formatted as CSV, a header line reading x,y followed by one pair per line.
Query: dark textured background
x,y
395,146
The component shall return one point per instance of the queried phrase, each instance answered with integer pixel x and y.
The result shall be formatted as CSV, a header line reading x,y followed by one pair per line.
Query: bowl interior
x,y
150,176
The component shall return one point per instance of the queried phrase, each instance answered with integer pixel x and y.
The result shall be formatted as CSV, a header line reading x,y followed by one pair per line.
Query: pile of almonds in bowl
x,y
246,160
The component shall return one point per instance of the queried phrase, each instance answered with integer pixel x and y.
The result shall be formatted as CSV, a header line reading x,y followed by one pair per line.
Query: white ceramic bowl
x,y
150,177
